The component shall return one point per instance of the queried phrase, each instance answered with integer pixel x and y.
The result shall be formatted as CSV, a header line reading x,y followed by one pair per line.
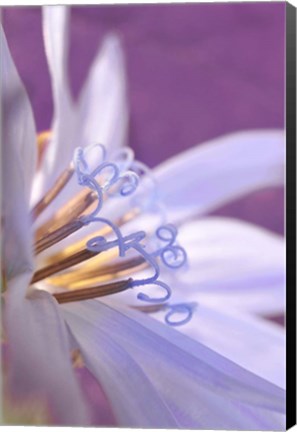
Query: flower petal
x,y
39,361
202,388
234,261
119,375
59,152
203,178
253,343
103,112
18,165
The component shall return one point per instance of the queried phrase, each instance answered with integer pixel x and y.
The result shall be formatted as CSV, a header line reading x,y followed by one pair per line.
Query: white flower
x,y
152,374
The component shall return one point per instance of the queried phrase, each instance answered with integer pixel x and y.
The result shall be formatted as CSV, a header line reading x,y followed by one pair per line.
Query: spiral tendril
x,y
187,309
122,178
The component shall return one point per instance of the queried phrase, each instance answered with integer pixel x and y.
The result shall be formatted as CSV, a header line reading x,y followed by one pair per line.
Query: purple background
x,y
195,71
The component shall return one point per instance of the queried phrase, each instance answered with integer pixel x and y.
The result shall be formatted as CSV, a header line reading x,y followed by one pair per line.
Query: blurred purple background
x,y
195,71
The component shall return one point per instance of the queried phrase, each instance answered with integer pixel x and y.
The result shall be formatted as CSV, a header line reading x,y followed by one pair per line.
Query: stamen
x,y
77,246
173,256
133,241
93,273
67,214
114,179
60,183
93,292
62,265
54,237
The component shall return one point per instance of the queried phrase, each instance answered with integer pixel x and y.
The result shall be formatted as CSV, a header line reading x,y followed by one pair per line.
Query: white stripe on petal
x,y
18,165
234,259
39,357
202,388
209,175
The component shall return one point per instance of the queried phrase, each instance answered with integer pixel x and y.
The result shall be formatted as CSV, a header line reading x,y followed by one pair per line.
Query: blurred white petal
x,y
59,152
102,109
202,388
234,261
39,358
18,166
208,176
253,343
134,400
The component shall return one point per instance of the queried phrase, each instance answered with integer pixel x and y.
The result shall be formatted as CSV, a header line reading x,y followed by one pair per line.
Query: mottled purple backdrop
x,y
195,71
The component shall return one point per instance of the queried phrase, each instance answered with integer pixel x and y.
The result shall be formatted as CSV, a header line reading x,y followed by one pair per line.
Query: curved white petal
x,y
234,261
103,111
119,375
202,388
203,178
60,150
39,357
251,342
18,165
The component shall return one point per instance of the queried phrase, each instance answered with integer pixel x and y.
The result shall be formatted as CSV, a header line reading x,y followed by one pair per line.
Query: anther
x,y
60,183
92,292
70,261
54,237
66,215
95,273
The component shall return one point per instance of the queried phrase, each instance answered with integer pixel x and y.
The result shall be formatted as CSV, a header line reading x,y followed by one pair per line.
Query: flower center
x,y
94,265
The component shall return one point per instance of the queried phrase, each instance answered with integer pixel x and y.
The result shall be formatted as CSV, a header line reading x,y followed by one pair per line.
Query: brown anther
x,y
150,308
59,234
60,183
93,292
93,273
70,261
69,212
